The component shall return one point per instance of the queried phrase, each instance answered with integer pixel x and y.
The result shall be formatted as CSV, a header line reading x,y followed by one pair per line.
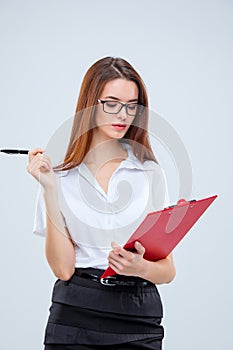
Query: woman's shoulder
x,y
146,164
155,169
151,164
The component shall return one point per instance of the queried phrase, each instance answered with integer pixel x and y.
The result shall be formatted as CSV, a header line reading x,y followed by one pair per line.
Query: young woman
x,y
90,205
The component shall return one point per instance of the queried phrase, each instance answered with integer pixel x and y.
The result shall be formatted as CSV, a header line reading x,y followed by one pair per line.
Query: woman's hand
x,y
40,168
127,263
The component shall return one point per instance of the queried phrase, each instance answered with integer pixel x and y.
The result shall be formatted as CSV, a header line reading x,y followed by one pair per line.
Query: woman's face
x,y
115,126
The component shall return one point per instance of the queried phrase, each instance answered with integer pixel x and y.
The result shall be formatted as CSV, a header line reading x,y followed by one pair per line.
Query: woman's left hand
x,y
127,263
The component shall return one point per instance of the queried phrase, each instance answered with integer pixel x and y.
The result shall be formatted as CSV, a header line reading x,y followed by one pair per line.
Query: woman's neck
x,y
102,151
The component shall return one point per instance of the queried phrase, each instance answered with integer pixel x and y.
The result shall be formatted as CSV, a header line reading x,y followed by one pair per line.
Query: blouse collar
x,y
131,162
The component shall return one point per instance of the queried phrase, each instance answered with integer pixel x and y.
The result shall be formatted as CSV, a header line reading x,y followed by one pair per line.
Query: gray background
x,y
183,50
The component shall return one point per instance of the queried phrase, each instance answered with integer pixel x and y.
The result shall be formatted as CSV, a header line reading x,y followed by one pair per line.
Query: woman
x,y
90,205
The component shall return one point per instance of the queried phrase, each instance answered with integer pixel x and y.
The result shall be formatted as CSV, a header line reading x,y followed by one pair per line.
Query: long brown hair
x,y
101,72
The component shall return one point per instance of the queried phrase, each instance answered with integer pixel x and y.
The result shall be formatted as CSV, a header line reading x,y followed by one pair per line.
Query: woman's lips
x,y
119,126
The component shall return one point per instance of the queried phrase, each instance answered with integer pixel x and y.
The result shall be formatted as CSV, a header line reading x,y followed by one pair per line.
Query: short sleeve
x,y
160,189
39,226
166,193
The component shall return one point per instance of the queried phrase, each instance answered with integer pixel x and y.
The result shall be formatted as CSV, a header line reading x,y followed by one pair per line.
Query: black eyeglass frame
x,y
141,107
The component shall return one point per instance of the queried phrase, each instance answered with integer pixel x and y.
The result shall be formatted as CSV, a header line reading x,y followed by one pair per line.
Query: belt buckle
x,y
107,281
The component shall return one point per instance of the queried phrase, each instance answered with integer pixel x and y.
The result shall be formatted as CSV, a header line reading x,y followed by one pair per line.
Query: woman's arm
x,y
59,247
128,263
60,251
159,272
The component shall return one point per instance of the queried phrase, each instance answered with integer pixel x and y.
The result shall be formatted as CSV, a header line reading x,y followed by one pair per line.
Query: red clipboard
x,y
162,230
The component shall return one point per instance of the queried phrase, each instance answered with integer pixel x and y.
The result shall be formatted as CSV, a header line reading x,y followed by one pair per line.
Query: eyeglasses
x,y
114,107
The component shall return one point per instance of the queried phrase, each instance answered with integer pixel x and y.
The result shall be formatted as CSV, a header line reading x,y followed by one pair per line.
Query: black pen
x,y
14,151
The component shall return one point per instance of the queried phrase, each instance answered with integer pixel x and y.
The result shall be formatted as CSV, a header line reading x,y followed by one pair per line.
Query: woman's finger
x,y
115,268
122,252
37,166
139,247
114,257
32,153
125,254
40,161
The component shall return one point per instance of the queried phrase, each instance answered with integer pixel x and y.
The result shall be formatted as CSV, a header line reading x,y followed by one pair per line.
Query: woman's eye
x,y
111,104
132,107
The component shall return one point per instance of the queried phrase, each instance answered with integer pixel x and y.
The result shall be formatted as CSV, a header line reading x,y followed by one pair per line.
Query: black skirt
x,y
88,315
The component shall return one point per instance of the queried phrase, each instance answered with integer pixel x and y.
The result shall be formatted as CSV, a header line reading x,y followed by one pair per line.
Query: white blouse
x,y
93,218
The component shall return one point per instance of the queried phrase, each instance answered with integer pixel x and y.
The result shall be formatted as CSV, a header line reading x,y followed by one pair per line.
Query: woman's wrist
x,y
145,266
50,190
158,272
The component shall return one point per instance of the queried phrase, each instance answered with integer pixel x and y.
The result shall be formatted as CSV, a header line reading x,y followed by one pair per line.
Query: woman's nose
x,y
122,114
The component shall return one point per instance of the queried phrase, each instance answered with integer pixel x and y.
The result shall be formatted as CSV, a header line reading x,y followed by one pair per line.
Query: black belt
x,y
114,280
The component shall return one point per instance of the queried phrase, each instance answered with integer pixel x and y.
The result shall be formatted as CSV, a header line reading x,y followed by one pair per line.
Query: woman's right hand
x,y
40,168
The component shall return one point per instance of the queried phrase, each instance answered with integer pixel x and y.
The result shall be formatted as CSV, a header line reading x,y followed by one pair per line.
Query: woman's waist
x,y
134,299
94,274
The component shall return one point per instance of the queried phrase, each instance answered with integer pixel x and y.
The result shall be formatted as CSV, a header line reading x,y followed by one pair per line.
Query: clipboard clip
x,y
182,202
